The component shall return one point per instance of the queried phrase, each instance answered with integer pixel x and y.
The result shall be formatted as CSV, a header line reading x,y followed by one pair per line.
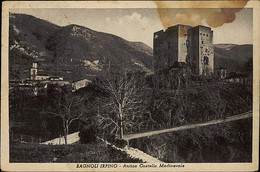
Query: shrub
x,y
121,143
116,141
111,138
88,134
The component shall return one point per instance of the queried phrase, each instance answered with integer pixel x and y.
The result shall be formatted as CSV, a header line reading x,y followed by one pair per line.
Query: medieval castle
x,y
185,44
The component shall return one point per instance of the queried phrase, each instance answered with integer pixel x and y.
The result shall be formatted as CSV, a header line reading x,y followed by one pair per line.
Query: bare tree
x,y
69,108
124,102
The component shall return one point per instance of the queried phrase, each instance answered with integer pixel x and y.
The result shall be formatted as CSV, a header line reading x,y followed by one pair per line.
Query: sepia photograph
x,y
149,87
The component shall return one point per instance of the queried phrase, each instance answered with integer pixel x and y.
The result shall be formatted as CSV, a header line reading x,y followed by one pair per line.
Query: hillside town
x,y
39,84
179,48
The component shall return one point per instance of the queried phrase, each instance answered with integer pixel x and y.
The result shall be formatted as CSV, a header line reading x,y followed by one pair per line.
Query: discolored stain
x,y
193,15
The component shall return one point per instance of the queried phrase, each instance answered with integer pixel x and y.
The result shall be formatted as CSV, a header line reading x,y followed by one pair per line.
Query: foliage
x,y
88,134
201,102
24,115
116,141
228,142
205,100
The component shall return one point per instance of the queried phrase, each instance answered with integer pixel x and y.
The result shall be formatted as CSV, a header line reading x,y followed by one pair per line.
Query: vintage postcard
x,y
130,85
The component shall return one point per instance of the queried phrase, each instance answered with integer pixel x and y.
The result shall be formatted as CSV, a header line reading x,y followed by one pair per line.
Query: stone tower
x,y
33,71
170,46
182,43
200,50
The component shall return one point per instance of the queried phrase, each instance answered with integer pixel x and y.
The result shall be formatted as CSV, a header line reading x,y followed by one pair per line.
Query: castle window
x,y
205,60
155,36
203,34
202,42
223,74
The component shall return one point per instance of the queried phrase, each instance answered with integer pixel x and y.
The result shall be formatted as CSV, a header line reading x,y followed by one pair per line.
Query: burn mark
x,y
193,15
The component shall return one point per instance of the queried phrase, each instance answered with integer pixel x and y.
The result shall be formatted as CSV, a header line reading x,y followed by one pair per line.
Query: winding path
x,y
74,137
135,153
189,126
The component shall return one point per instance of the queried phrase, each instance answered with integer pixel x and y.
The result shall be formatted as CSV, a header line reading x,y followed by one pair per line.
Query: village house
x,y
38,84
80,84
234,77
221,72
35,76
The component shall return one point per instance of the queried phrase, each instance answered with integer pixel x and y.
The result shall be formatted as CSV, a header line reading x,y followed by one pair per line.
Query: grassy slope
x,y
88,153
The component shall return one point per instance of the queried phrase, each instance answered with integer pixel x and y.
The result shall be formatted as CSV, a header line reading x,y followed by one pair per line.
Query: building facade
x,y
182,43
35,76
245,79
201,50
80,84
33,71
170,46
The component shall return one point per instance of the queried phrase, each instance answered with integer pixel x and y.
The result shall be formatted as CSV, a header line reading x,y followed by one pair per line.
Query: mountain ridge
x,y
77,52
71,51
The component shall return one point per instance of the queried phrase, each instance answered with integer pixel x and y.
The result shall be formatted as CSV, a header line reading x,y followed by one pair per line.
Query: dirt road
x,y
189,126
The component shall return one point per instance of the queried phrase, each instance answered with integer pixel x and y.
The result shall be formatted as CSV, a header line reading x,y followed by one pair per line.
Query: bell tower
x,y
33,71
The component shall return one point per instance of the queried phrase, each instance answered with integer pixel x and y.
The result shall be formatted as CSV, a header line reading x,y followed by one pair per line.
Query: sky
x,y
139,24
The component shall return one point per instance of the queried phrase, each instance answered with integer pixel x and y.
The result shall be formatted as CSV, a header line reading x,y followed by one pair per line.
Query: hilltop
x,y
71,51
